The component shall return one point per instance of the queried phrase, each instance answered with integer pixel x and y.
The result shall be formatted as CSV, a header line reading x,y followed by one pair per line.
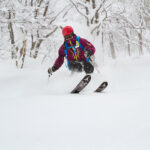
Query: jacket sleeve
x,y
60,60
87,45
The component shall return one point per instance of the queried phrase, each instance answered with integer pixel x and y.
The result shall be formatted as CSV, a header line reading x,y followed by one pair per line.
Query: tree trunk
x,y
112,48
128,41
32,45
24,53
12,39
140,42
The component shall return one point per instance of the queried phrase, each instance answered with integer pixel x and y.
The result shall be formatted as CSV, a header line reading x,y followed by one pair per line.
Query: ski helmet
x,y
67,30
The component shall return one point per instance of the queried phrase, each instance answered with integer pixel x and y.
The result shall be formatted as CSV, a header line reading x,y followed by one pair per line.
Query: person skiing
x,y
76,50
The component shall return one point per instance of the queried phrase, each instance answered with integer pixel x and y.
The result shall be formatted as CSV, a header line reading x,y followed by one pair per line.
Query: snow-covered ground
x,y
37,114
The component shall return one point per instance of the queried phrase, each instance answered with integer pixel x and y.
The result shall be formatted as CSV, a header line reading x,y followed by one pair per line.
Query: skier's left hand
x,y
88,53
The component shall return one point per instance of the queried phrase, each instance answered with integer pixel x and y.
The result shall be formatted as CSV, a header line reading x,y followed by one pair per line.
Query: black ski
x,y
101,87
82,84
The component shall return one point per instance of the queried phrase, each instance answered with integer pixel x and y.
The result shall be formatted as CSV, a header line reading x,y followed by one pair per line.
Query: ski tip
x,y
102,87
105,84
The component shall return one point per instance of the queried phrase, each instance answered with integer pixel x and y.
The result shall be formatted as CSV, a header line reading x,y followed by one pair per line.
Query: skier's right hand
x,y
51,70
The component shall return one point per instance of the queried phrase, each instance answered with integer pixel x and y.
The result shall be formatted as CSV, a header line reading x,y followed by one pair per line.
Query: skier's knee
x,y
75,66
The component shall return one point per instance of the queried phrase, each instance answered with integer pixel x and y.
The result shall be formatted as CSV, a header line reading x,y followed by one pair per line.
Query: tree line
x,y
27,27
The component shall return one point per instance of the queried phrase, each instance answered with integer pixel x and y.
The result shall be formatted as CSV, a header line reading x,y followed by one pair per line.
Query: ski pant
x,y
79,66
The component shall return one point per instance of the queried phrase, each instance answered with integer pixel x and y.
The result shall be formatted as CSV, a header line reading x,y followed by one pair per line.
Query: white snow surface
x,y
37,114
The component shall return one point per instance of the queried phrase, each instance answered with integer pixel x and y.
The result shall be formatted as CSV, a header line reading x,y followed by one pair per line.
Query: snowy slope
x,y
37,114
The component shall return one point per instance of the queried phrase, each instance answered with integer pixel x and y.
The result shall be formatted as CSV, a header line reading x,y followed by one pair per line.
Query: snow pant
x,y
79,66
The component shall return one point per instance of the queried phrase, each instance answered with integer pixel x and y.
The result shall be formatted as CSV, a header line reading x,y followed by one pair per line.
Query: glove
x,y
88,67
51,70
88,53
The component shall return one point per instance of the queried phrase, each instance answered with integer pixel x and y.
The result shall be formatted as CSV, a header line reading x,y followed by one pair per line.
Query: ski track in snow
x,y
37,114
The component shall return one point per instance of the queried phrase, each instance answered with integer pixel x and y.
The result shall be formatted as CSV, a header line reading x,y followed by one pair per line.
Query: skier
x,y
76,50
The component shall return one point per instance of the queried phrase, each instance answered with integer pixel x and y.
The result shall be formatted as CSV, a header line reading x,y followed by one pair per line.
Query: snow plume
x,y
37,114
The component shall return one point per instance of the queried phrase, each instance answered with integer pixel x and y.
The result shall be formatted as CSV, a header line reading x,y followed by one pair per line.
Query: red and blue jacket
x,y
73,50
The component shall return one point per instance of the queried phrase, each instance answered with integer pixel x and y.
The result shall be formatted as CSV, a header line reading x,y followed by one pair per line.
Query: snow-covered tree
x,y
31,27
29,23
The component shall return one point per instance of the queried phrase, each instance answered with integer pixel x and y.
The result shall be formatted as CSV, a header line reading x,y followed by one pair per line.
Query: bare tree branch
x,y
80,12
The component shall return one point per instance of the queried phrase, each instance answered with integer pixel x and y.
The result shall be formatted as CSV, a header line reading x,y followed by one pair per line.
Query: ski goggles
x,y
68,37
